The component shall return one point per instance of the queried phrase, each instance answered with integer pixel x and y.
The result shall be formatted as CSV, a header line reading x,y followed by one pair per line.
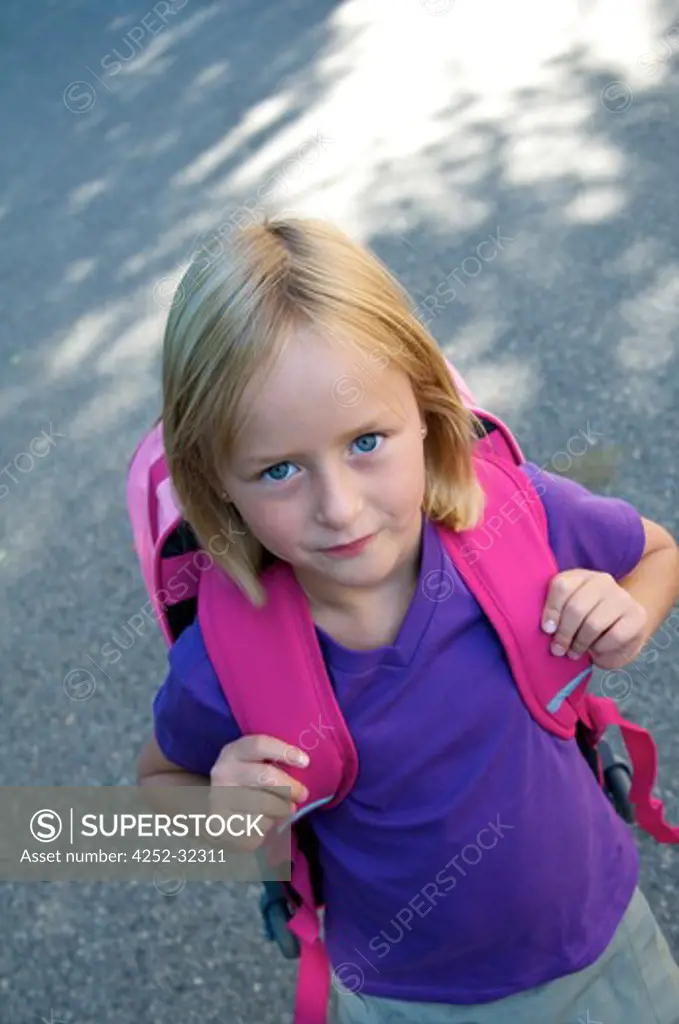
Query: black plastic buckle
x,y
617,781
275,908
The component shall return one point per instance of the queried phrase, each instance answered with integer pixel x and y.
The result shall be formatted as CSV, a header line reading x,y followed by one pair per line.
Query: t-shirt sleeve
x,y
192,719
588,531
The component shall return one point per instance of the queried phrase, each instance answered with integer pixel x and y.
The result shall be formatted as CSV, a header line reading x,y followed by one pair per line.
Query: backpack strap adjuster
x,y
276,908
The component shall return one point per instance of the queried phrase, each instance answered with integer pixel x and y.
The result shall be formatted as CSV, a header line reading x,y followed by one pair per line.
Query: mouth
x,y
354,547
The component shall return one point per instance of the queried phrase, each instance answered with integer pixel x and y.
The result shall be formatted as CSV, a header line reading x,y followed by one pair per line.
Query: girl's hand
x,y
249,763
590,612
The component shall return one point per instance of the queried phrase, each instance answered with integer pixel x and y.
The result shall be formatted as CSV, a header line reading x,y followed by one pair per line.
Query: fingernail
x,y
574,655
550,626
300,758
558,650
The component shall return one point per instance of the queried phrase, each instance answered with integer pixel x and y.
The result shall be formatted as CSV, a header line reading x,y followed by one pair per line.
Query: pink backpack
x,y
282,688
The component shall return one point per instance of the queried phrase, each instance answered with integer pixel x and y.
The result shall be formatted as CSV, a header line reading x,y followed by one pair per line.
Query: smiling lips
x,y
350,549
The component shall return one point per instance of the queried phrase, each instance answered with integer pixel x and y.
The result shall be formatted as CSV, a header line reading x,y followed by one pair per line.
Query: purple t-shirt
x,y
476,855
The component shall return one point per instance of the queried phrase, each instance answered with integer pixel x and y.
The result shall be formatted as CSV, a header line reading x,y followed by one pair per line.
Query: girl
x,y
303,396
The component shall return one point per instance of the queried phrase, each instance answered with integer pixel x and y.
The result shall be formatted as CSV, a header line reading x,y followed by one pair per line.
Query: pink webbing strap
x,y
508,565
554,689
600,712
271,669
313,982
270,666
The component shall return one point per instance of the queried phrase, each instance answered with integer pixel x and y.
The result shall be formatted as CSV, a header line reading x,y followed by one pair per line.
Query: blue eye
x,y
282,479
363,437
271,469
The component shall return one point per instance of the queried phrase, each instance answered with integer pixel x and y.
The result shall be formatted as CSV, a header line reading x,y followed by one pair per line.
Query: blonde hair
x,y
231,317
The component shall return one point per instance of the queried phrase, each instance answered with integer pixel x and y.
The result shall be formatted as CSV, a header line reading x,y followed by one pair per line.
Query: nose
x,y
339,500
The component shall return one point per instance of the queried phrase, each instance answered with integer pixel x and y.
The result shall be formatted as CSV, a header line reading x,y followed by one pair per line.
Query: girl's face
x,y
331,451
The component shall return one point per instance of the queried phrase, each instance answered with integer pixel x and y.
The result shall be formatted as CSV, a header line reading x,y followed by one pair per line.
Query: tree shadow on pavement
x,y
540,246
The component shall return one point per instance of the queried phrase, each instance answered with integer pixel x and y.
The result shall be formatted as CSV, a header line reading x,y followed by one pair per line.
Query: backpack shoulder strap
x,y
512,583
288,693
271,670
511,587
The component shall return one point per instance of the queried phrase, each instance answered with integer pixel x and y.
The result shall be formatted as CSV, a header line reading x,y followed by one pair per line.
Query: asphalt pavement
x,y
514,165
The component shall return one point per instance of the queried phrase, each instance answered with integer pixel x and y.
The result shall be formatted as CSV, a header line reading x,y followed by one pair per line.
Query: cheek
x,y
275,524
404,483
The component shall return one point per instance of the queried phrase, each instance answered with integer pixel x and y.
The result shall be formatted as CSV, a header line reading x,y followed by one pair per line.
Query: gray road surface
x,y
424,129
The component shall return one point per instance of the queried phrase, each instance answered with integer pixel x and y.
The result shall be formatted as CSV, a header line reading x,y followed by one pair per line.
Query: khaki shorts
x,y
635,981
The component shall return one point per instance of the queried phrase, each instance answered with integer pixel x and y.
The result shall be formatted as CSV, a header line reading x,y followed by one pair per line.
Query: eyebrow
x,y
271,460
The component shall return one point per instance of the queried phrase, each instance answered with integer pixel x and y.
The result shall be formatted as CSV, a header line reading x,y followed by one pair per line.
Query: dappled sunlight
x,y
112,404
652,315
529,258
153,74
82,196
388,155
179,242
154,147
153,59
619,34
84,337
663,296
137,342
647,349
598,203
125,67
256,119
30,534
78,271
507,386
13,398
396,125
542,156
641,394
507,47
406,117
323,160
152,51
214,74
475,340
639,257
514,165
398,120
211,78
119,131
121,22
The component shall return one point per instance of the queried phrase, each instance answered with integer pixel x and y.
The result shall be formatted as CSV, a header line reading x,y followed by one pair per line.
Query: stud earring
x,y
424,431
